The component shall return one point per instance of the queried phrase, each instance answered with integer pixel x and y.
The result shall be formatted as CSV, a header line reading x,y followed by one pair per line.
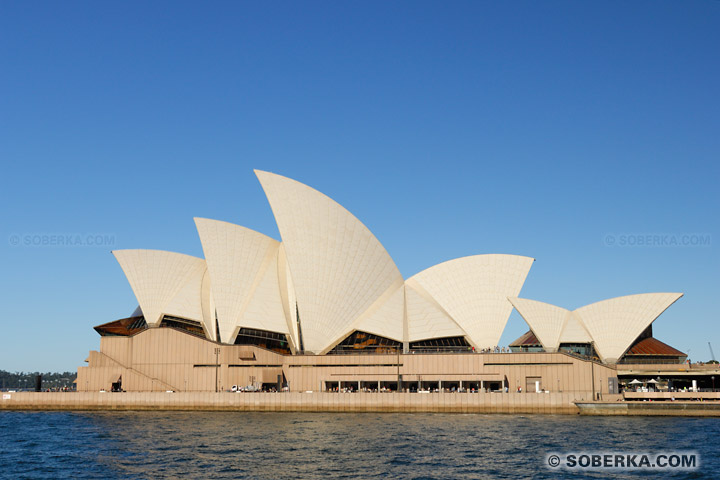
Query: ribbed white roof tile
x,y
386,317
574,331
287,294
188,301
208,308
157,277
615,323
425,318
339,269
265,310
474,291
237,259
194,302
545,320
612,325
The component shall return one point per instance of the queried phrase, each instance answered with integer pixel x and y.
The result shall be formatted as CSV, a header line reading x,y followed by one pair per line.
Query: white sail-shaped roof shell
x,y
333,271
385,317
265,310
574,331
163,281
194,302
474,292
615,323
545,320
243,271
611,325
552,325
188,301
339,269
425,318
208,308
287,295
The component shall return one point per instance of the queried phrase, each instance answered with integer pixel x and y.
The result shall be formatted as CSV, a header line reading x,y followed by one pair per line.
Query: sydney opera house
x,y
326,308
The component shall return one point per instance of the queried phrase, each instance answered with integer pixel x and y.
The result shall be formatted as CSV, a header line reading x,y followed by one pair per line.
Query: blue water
x,y
325,445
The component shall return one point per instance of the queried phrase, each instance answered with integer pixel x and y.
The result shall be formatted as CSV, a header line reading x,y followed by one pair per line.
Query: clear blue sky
x,y
448,128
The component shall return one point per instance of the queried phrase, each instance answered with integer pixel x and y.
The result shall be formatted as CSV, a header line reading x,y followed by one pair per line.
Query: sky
x,y
583,134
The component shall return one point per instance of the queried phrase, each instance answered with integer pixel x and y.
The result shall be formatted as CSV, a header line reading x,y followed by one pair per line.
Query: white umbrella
x,y
635,382
652,380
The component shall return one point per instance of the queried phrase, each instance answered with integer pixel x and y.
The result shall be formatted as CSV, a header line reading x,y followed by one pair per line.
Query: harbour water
x,y
324,445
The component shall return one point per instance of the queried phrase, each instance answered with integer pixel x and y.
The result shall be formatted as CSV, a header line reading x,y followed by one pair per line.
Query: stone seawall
x,y
532,403
662,409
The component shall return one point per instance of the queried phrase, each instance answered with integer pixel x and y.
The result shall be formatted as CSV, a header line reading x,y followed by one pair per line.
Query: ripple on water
x,y
299,445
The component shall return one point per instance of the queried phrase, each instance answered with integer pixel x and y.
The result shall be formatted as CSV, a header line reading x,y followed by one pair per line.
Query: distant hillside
x,y
26,380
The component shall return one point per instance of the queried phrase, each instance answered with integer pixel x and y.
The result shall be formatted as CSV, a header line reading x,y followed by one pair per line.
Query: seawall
x,y
648,408
529,403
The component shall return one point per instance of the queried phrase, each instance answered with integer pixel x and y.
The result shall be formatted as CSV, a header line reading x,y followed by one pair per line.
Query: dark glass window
x,y
361,342
583,350
441,345
299,327
191,326
277,342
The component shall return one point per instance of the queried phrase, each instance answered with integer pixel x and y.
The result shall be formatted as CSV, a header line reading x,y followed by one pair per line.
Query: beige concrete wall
x,y
103,371
117,348
160,359
95,378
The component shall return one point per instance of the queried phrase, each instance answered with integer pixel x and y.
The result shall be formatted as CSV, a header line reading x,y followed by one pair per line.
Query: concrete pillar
x,y
440,385
482,386
378,385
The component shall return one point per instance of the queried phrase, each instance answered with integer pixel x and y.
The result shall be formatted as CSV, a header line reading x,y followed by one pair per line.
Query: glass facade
x,y
276,342
190,326
578,349
362,342
442,345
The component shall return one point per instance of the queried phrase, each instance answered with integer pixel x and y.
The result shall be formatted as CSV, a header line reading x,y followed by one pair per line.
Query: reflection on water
x,y
306,445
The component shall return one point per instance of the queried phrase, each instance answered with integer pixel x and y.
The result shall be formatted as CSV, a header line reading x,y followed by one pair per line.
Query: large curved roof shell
x,y
243,271
474,291
287,295
425,318
384,317
552,325
574,331
545,320
188,301
208,308
193,302
615,323
265,309
162,279
339,269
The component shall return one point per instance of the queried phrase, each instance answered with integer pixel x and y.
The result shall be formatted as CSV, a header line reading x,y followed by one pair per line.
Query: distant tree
x,y
26,380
